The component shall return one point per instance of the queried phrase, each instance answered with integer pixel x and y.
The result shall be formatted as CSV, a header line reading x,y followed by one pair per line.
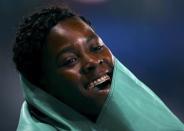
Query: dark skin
x,y
74,57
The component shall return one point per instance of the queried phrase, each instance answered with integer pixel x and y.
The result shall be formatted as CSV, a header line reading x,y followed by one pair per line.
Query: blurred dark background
x,y
146,35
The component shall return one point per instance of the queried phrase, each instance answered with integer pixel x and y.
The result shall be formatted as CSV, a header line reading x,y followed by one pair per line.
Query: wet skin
x,y
74,57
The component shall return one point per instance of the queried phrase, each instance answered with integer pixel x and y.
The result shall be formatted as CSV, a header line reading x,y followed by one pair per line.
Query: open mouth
x,y
101,83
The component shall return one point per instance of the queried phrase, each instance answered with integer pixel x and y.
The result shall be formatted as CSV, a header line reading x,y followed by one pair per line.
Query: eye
x,y
97,48
70,61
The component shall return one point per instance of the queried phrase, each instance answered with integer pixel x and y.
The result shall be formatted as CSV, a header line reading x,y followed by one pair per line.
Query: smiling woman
x,y
77,55
71,80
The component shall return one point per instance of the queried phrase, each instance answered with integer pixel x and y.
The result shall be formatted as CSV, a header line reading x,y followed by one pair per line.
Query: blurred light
x,y
90,1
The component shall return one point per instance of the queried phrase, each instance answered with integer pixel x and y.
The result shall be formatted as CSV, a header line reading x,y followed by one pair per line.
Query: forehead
x,y
68,32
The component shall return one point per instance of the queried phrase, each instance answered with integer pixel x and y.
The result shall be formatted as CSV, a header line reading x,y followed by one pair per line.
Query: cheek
x,y
72,76
108,55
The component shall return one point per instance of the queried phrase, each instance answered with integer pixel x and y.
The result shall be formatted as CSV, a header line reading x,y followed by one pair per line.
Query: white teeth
x,y
98,81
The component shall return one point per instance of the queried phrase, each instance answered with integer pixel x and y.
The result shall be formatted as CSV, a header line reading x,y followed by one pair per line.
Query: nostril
x,y
100,61
91,64
89,68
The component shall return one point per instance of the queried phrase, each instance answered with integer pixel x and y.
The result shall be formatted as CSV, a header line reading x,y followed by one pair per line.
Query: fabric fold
x,y
130,106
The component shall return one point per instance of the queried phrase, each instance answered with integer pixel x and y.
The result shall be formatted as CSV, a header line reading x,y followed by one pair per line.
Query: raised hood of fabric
x,y
130,106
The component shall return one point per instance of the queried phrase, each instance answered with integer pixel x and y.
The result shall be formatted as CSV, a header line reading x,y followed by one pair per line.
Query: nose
x,y
90,64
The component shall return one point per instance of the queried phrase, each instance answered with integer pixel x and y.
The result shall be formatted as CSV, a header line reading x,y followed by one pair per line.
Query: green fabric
x,y
130,106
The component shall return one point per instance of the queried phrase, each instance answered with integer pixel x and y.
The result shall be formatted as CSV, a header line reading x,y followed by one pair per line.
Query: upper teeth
x,y
98,81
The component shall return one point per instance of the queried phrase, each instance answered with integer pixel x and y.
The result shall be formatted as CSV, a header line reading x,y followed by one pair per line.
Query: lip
x,y
101,80
103,77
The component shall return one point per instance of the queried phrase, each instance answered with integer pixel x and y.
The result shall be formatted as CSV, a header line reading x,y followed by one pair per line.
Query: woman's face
x,y
77,66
